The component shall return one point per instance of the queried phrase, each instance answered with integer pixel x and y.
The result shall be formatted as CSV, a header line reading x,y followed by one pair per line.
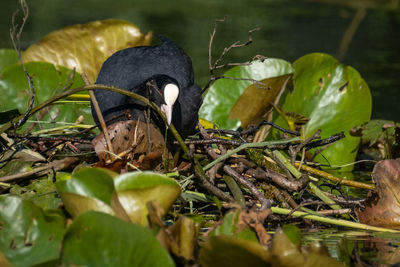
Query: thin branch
x,y
265,203
56,165
295,150
252,129
236,44
210,187
15,34
278,179
217,64
103,125
327,141
211,42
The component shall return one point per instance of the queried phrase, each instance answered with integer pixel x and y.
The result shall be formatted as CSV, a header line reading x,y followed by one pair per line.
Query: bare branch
x,y
236,44
15,34
211,41
217,64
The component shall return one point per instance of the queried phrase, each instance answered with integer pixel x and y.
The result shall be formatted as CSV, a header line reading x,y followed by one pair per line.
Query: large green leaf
x,y
7,57
334,97
48,81
90,189
29,236
93,189
224,93
136,189
98,239
86,46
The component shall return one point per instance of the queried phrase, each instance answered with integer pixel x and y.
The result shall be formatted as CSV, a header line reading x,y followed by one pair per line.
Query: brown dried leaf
x,y
255,219
257,98
383,203
86,46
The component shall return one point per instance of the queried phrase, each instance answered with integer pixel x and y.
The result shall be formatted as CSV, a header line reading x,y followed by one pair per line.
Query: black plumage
x,y
132,68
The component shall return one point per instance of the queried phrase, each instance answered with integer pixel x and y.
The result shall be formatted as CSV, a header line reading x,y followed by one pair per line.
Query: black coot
x,y
168,67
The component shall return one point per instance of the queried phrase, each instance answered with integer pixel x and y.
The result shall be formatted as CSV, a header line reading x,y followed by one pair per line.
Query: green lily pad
x,y
223,94
335,98
98,239
136,189
29,236
88,189
48,81
7,57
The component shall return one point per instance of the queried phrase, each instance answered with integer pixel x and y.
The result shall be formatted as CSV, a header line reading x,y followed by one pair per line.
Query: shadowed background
x,y
288,30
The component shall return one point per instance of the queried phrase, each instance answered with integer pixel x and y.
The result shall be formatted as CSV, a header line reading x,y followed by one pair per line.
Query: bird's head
x,y
164,92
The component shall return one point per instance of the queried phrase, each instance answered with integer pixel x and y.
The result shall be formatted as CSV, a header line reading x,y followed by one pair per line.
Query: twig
x,y
334,212
333,178
278,179
53,139
211,42
321,195
216,66
15,35
252,129
103,125
40,171
207,185
236,44
295,150
327,141
249,145
333,221
265,203
214,141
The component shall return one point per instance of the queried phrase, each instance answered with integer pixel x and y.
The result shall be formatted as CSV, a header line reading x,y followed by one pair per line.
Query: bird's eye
x,y
171,92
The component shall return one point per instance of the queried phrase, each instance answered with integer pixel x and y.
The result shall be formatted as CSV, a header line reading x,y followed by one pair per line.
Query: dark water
x,y
363,249
288,30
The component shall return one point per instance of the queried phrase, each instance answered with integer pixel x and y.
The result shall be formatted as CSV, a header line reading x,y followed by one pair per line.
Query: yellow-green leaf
x,y
136,189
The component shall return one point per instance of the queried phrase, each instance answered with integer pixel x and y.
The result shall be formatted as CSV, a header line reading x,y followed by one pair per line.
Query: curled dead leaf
x,y
86,46
255,219
382,207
